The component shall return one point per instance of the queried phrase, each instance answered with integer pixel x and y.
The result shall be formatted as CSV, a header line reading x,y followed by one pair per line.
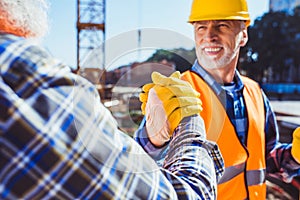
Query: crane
x,y
91,32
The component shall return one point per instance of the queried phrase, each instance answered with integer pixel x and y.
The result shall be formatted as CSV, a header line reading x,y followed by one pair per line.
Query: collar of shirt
x,y
216,87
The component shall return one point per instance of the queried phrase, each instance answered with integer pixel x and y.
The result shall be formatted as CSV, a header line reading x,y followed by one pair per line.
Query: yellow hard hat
x,y
219,10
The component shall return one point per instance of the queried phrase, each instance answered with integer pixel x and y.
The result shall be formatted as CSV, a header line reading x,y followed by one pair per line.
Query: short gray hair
x,y
27,18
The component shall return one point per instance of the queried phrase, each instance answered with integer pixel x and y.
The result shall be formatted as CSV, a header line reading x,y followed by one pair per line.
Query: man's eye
x,y
201,27
223,25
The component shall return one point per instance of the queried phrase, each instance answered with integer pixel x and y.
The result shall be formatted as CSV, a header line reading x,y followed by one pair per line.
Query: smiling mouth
x,y
212,50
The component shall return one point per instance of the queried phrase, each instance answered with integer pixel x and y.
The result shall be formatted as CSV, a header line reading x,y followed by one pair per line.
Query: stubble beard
x,y
218,62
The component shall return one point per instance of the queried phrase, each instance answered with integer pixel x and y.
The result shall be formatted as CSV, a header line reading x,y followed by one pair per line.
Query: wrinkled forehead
x,y
219,21
237,23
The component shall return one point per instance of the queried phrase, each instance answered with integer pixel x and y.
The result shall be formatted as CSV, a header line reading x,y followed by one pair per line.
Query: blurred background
x,y
117,45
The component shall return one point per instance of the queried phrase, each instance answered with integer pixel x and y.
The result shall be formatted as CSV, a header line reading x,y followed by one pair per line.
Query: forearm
x,y
190,176
120,158
195,159
278,155
191,160
281,161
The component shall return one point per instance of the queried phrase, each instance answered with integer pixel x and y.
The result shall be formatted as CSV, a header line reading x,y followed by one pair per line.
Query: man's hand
x,y
296,145
165,102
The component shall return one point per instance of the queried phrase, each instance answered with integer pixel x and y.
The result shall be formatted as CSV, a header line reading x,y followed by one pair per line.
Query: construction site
x,y
119,88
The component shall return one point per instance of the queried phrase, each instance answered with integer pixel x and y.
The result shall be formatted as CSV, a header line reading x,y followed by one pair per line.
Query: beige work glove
x,y
296,144
165,102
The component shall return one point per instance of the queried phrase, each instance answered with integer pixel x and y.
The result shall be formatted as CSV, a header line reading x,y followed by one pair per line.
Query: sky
x,y
163,24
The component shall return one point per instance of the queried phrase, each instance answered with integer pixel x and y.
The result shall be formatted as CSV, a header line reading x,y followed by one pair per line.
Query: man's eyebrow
x,y
222,21
215,21
201,22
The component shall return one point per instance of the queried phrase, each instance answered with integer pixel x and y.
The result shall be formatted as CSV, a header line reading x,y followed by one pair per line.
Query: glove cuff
x,y
157,137
296,145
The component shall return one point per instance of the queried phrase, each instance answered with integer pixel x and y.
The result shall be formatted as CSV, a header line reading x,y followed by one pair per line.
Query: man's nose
x,y
211,33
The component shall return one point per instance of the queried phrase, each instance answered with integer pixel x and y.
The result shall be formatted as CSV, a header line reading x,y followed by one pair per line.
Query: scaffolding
x,y
90,32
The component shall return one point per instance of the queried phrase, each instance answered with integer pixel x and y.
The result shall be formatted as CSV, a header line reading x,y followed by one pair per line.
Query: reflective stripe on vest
x,y
231,172
238,160
254,177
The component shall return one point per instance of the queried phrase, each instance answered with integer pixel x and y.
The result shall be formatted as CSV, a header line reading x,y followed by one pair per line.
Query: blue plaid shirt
x,y
57,141
278,155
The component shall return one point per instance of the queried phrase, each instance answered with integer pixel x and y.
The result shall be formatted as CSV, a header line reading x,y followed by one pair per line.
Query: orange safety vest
x,y
245,167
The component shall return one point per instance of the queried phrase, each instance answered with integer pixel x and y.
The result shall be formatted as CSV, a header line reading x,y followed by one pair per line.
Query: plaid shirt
x,y
57,141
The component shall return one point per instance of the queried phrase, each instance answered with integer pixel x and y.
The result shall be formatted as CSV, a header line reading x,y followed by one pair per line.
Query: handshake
x,y
165,102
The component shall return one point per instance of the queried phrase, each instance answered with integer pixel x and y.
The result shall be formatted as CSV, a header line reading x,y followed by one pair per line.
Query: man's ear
x,y
244,37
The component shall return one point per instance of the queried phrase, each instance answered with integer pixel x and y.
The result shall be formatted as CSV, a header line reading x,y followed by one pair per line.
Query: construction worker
x,y
236,112
57,141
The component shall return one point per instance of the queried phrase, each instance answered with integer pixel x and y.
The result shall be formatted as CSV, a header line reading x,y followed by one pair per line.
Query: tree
x,y
273,46
182,58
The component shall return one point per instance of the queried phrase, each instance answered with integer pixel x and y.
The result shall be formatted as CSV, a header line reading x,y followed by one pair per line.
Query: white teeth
x,y
212,49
